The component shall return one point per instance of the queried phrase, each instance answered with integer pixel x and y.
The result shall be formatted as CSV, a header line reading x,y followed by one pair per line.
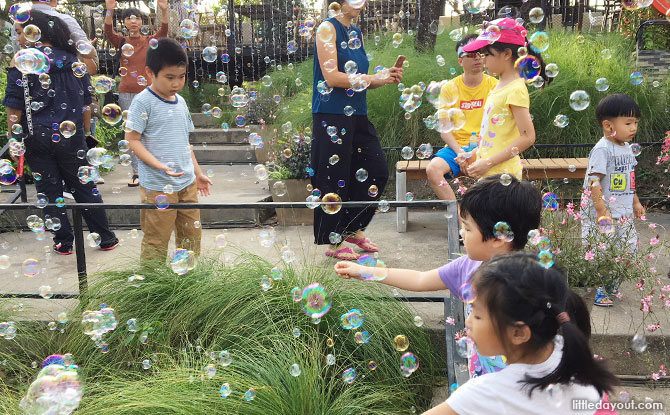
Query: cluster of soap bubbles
x,y
7,172
352,319
375,268
98,322
57,388
32,61
544,257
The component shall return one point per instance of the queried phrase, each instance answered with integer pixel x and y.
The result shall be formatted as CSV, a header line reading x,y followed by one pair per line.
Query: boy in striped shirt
x,y
158,126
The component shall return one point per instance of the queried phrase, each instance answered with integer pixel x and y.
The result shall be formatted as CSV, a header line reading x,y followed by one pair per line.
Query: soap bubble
x,y
528,66
606,54
561,121
536,15
579,100
56,390
639,343
605,224
602,84
31,61
111,114
95,156
279,188
333,208
401,343
67,128
361,175
93,239
539,42
98,322
210,54
551,70
350,67
325,32
30,267
32,33
409,362
636,149
7,172
407,153
127,50
491,33
550,201
545,259
352,319
636,78
502,231
449,94
182,261
20,12
315,300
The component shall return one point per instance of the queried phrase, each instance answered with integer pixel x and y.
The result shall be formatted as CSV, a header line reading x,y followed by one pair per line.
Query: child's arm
x,y
597,197
87,120
143,154
405,279
203,182
165,19
524,141
638,208
112,36
450,140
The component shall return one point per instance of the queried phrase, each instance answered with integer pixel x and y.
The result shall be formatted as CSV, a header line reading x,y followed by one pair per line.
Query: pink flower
x,y
570,205
655,376
652,226
653,327
651,256
450,320
662,370
462,189
611,199
557,251
589,256
456,181
618,259
653,241
602,246
652,270
643,218
665,288
564,222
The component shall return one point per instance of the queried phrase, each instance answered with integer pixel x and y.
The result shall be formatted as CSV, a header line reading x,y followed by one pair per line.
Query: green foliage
x,y
217,307
290,156
655,37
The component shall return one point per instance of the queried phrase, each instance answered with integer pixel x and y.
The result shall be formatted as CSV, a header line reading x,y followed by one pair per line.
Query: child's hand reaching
x,y
203,182
479,168
348,269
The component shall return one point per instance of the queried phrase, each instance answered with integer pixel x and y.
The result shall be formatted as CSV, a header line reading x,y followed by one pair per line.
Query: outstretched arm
x,y
405,279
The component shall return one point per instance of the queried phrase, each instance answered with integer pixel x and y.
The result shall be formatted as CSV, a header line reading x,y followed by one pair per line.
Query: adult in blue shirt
x,y
346,154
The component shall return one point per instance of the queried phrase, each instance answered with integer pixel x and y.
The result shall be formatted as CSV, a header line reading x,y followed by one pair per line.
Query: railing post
x,y
79,251
22,186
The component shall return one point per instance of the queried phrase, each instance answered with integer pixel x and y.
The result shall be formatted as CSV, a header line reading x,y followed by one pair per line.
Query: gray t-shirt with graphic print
x,y
617,163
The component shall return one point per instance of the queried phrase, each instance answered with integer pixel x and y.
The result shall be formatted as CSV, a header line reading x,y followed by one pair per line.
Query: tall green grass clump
x,y
188,320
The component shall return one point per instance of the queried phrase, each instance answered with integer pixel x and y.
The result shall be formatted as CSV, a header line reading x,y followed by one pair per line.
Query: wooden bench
x,y
533,169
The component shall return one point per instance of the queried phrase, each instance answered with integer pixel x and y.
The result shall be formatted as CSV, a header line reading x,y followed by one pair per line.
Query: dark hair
x,y
500,47
168,53
131,11
53,31
465,40
519,204
515,288
617,105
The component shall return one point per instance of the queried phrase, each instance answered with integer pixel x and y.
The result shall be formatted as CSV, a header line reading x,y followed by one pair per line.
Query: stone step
x,y
224,153
232,183
201,120
218,136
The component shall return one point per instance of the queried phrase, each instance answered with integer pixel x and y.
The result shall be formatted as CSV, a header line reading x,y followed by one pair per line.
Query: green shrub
x,y
219,307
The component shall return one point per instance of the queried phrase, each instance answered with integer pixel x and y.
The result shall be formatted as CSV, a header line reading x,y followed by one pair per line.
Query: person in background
x,y
133,79
53,154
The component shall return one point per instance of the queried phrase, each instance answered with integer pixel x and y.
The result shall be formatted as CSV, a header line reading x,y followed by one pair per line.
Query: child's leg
x,y
157,226
442,164
187,232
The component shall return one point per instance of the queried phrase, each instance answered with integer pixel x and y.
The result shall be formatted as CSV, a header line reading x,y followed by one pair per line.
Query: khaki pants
x,y
157,224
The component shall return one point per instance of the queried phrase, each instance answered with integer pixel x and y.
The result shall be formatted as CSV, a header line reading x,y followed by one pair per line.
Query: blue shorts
x,y
448,155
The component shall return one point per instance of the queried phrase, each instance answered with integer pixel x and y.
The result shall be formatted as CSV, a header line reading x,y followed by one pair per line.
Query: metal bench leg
x,y
400,192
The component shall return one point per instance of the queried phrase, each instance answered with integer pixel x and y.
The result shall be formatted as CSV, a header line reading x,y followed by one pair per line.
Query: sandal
x,y
344,254
134,181
363,243
602,299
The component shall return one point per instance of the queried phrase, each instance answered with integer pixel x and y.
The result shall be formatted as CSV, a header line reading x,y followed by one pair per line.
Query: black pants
x,y
360,149
58,162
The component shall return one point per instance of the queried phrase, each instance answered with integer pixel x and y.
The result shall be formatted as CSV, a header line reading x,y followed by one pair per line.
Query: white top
x,y
501,393
76,32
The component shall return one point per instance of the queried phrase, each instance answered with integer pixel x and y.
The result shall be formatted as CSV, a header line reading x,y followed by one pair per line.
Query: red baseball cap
x,y
510,32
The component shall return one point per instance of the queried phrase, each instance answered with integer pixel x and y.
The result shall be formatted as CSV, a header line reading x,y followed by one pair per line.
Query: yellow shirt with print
x,y
471,101
499,129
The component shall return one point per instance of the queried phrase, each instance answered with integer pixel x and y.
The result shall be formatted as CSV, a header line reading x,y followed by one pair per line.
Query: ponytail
x,y
577,362
500,47
515,288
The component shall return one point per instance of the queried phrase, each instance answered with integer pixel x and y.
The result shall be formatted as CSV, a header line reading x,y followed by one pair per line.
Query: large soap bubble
x,y
56,390
31,61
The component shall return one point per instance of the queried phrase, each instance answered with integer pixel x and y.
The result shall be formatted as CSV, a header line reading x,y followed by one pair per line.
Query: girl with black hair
x,y
50,108
528,313
507,128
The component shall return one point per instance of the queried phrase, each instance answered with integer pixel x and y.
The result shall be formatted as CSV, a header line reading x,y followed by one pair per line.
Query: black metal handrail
x,y
639,35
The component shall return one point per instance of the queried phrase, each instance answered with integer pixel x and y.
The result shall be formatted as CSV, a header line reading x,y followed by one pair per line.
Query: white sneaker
x,y
68,195
99,180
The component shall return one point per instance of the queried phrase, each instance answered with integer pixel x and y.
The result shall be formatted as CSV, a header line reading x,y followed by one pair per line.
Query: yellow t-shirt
x,y
471,101
499,128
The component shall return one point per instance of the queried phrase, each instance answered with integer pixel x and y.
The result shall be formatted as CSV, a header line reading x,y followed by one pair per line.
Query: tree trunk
x,y
429,11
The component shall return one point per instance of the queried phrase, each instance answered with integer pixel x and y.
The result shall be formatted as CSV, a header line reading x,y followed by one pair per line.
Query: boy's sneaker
x,y
109,245
602,299
67,195
613,291
63,249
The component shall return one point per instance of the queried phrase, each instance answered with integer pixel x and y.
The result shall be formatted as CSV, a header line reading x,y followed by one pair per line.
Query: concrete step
x,y
218,136
201,120
224,153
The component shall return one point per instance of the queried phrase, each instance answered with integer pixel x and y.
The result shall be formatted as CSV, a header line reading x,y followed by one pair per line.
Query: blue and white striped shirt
x,y
165,127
